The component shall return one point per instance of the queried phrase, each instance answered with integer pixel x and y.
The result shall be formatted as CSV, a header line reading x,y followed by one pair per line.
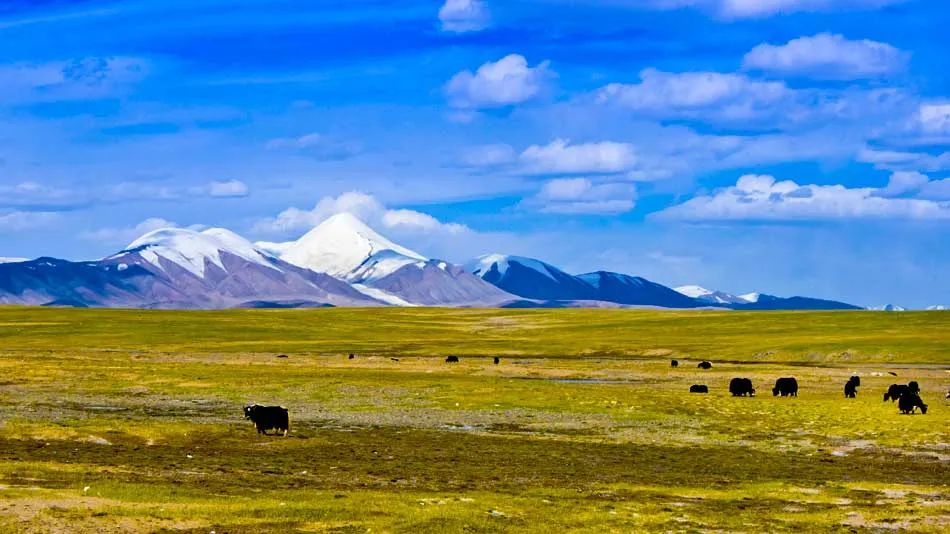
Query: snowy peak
x,y
345,247
484,264
889,308
12,260
716,297
693,291
192,250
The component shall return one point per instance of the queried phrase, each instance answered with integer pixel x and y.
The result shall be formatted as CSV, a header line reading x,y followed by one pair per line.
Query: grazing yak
x,y
786,387
674,363
851,388
910,402
452,359
497,360
352,356
268,417
698,388
897,391
704,365
740,387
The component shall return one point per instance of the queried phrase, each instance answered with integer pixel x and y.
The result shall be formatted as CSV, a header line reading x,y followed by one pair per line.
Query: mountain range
x,y
341,262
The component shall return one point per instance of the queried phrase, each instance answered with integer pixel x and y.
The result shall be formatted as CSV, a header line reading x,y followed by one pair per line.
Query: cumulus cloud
x,y
762,198
582,196
829,56
318,146
127,234
460,16
228,189
903,182
365,207
15,221
561,157
505,82
698,94
934,118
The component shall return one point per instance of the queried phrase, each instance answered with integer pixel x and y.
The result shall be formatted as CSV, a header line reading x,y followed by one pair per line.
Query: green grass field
x,y
131,421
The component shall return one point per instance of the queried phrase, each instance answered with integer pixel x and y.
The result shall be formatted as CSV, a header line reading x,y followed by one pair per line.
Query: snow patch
x,y
12,260
381,295
693,291
751,297
191,250
483,264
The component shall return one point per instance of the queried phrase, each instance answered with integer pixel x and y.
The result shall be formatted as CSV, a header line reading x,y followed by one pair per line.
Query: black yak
x,y
786,387
452,359
497,360
698,388
895,392
705,365
740,387
674,363
910,402
851,388
268,417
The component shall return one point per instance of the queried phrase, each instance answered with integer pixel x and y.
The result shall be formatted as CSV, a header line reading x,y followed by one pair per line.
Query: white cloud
x,y
506,82
738,9
122,236
936,190
80,79
36,195
762,198
582,196
15,221
319,146
894,160
934,118
365,207
228,189
561,157
698,94
488,156
827,55
903,182
462,16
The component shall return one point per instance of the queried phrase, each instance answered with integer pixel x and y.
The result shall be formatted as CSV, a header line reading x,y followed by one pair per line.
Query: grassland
x,y
131,421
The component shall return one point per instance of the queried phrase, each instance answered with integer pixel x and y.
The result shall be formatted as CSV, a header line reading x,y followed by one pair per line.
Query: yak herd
x,y
907,396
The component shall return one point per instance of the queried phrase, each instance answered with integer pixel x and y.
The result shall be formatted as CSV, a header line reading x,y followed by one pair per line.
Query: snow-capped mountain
x,y
937,307
12,260
529,278
341,262
888,307
346,248
715,297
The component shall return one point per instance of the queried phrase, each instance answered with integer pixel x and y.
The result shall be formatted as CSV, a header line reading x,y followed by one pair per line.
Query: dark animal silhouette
x,y
395,360
740,387
913,387
892,373
674,363
698,388
895,392
268,418
948,394
910,402
452,359
851,388
856,379
705,365
352,356
497,360
786,387
282,356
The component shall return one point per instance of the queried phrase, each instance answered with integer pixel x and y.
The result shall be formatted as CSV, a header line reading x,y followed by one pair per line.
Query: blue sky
x,y
785,146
